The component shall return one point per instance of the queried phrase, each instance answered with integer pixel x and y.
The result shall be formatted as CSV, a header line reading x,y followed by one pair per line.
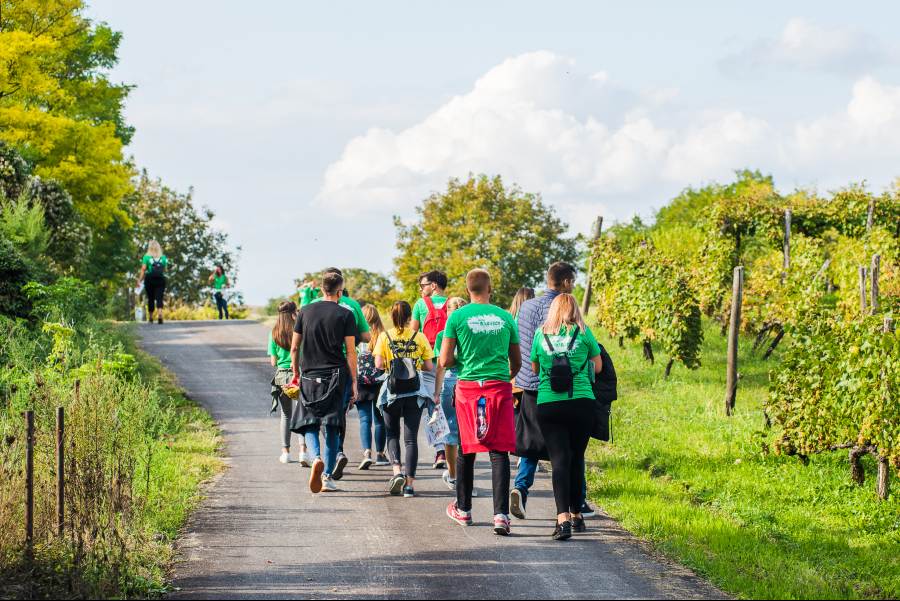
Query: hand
x,y
437,400
296,380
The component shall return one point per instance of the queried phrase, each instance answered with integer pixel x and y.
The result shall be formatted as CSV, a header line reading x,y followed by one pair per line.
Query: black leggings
x,y
154,288
566,426
221,305
408,409
465,480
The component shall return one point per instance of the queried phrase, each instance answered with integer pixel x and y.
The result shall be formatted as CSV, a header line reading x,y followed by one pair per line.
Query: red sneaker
x,y
463,518
501,525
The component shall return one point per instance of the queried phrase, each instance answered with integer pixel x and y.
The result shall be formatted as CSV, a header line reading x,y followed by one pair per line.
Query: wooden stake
x,y
595,234
29,481
60,471
870,218
888,325
875,270
734,327
862,290
787,244
883,485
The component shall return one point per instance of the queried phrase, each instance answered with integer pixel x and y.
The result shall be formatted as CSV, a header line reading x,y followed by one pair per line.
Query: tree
x,y
192,245
480,223
362,284
58,107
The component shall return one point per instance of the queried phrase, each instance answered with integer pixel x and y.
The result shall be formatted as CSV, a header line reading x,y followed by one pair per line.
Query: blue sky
x,y
306,126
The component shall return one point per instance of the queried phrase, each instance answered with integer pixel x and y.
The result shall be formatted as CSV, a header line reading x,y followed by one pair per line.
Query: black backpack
x,y
157,268
562,377
403,377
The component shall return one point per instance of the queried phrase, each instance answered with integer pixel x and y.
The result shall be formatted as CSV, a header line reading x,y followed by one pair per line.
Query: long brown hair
x,y
563,311
374,321
283,331
523,294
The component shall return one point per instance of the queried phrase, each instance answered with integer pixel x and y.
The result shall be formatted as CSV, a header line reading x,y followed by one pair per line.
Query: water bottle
x,y
481,420
139,314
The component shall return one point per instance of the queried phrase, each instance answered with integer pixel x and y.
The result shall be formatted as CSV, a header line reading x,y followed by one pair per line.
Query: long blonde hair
x,y
454,303
154,249
525,293
374,320
563,311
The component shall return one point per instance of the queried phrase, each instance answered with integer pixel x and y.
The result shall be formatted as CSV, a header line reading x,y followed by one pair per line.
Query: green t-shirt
x,y
219,281
420,309
282,355
438,341
585,347
148,261
483,334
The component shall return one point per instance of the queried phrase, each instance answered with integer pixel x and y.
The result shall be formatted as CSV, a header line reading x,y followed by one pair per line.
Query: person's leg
x,y
525,475
311,436
286,411
556,437
332,441
342,432
365,409
392,417
451,451
218,297
465,479
380,436
160,294
412,418
151,298
579,436
500,481
225,307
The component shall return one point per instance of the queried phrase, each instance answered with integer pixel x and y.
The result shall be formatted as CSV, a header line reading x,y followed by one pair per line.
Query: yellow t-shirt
x,y
422,353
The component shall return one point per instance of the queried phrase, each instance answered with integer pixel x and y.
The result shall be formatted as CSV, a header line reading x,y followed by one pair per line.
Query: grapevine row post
x,y
875,270
862,289
60,471
734,327
870,218
787,244
595,234
29,481
882,485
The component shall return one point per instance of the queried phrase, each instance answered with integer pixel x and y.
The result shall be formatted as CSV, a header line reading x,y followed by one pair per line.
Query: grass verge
x,y
700,486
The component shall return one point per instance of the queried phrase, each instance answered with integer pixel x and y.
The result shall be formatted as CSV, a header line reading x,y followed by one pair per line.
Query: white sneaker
x,y
450,482
328,484
304,460
285,458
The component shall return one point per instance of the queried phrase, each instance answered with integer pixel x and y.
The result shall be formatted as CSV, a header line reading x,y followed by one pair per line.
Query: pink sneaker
x,y
463,518
501,524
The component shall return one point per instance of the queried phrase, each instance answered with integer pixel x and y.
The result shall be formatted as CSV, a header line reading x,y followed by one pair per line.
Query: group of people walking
x,y
500,382
152,274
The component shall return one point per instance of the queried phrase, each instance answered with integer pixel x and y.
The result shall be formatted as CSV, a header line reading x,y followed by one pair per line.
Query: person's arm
x,y
272,360
141,276
351,363
535,367
296,339
448,353
428,365
515,359
438,383
598,363
212,276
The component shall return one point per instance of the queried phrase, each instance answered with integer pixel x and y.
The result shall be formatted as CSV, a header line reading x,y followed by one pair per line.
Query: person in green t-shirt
x,y
309,293
487,341
565,406
153,275
432,285
280,356
220,281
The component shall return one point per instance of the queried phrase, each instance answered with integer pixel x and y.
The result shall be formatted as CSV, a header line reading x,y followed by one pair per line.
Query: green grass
x,y
701,488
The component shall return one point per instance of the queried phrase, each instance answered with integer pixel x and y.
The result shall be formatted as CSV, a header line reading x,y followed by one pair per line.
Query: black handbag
x,y
605,388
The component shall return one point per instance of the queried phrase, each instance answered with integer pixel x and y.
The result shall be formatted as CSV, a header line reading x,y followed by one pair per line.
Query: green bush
x,y
15,272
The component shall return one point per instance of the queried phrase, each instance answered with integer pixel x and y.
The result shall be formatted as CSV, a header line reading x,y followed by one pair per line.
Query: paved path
x,y
260,534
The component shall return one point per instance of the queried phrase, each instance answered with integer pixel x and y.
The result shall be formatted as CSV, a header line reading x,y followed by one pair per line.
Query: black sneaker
x,y
517,503
408,492
396,485
159,321
562,531
338,472
587,511
578,525
440,461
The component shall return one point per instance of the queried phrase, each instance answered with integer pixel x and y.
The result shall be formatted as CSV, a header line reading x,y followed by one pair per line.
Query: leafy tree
x,y
22,223
58,106
481,223
15,272
14,172
187,236
69,244
362,284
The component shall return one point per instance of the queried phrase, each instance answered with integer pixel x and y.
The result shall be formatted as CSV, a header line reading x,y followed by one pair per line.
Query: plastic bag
x,y
437,428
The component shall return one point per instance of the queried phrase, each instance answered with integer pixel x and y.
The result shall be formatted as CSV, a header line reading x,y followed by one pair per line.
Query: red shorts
x,y
501,424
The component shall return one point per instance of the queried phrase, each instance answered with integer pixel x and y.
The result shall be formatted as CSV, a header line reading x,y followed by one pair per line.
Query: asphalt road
x,y
260,533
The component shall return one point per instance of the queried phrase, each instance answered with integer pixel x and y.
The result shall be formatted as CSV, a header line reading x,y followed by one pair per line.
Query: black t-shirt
x,y
323,326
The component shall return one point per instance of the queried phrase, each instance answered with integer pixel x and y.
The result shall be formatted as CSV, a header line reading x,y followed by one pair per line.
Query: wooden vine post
x,y
870,217
595,234
875,271
29,482
734,328
882,485
60,471
787,244
862,290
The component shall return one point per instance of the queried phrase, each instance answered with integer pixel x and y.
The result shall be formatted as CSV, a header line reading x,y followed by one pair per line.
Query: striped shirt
x,y
532,315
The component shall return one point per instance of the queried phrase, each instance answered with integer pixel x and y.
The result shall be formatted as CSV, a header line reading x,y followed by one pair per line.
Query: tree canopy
x,y
479,222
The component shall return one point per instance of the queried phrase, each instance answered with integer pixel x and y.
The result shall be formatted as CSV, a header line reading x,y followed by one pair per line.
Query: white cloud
x,y
806,45
591,148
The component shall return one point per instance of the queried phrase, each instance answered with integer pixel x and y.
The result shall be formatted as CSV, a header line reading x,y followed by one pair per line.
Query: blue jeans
x,y
369,416
332,441
342,434
525,477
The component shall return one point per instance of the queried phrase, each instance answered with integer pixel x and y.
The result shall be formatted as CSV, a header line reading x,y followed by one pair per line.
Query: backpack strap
x,y
549,344
574,338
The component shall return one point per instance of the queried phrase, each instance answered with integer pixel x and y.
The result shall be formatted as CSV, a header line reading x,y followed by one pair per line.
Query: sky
x,y
307,126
